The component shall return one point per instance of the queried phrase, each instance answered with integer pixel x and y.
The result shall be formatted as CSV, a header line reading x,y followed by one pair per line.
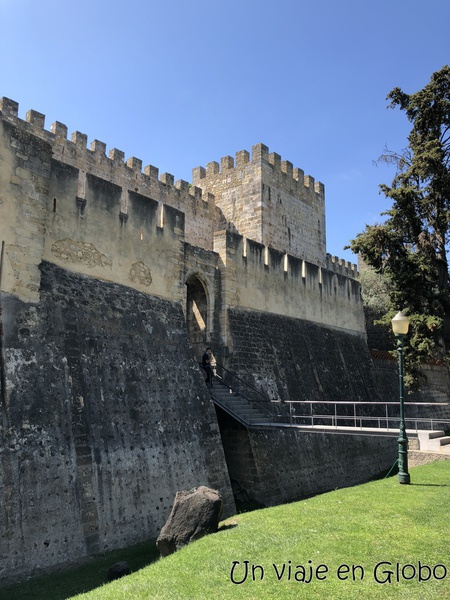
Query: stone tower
x,y
266,200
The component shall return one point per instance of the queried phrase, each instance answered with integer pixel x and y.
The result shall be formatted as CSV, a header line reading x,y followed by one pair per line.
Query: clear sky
x,y
180,83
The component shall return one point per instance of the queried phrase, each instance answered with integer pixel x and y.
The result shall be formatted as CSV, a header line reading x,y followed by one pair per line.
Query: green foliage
x,y
375,292
420,346
410,247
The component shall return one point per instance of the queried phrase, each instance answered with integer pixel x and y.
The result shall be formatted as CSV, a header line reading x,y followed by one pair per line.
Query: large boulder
x,y
194,514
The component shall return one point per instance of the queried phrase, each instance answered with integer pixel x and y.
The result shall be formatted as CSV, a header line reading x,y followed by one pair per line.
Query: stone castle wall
x,y
293,359
105,415
261,278
273,467
57,212
106,218
104,411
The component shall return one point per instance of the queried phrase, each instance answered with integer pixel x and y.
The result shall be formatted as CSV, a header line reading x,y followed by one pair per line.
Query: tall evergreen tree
x,y
410,247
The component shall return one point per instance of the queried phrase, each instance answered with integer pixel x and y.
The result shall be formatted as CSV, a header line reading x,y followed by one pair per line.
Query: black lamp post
x,y
400,325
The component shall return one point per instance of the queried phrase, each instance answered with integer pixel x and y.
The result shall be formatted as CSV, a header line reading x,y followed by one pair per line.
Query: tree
x,y
410,247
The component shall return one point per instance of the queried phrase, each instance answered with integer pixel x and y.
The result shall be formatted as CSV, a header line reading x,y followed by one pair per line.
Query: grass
x,y
91,575
326,546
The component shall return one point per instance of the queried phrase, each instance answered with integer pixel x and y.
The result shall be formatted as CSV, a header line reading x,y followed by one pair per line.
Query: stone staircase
x,y
237,406
434,441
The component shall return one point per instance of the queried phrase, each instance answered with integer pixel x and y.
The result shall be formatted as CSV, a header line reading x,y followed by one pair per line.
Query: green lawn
x,y
328,546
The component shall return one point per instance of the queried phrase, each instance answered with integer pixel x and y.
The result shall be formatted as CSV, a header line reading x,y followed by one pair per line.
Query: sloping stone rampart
x,y
301,360
107,418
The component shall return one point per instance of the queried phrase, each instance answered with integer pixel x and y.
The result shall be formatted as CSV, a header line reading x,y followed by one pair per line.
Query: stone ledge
x,y
422,457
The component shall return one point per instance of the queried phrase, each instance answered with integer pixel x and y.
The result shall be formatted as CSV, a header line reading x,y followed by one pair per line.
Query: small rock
x,y
118,570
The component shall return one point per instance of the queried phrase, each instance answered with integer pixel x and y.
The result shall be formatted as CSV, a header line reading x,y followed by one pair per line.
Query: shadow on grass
x,y
227,526
430,484
81,579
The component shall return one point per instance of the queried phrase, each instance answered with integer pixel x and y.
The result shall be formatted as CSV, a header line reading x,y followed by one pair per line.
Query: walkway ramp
x,y
254,410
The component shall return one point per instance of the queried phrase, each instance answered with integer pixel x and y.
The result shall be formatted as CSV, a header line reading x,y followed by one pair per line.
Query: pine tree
x,y
410,247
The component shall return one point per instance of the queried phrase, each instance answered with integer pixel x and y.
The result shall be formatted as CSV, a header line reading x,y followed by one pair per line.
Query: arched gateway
x,y
197,312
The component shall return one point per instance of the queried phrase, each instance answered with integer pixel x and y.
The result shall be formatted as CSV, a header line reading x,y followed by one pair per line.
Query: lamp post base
x,y
403,475
404,478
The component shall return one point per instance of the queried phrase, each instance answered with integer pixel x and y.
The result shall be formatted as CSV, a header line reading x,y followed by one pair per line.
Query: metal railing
x,y
355,418
357,415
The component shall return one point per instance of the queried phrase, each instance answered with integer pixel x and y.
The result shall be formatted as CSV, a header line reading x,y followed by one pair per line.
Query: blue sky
x,y
181,83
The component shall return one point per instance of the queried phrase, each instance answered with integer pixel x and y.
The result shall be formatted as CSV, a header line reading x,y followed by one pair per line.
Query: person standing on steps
x,y
213,363
206,364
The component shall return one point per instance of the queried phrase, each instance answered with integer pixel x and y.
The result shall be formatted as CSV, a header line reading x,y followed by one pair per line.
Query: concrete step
x,y
222,394
228,398
223,391
434,441
235,403
436,434
441,441
245,410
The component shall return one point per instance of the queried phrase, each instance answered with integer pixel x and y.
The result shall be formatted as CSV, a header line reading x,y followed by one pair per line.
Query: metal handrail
x,y
358,419
265,403
362,402
268,405
381,421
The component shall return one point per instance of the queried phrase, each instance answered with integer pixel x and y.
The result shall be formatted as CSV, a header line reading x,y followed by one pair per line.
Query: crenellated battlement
x,y
96,154
99,210
127,173
94,158
264,279
339,265
283,169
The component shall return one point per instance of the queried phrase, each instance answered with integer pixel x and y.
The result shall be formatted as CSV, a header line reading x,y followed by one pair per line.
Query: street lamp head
x,y
400,324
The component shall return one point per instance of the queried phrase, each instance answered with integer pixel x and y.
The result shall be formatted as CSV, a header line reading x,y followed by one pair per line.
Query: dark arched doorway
x,y
197,312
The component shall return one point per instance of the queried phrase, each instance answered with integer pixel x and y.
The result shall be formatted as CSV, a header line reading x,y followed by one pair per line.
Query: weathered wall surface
x,y
25,163
201,212
57,212
93,234
259,278
434,388
107,417
277,466
293,359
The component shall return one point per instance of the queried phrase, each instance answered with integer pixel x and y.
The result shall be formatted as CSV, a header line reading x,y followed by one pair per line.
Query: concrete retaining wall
x,y
278,466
